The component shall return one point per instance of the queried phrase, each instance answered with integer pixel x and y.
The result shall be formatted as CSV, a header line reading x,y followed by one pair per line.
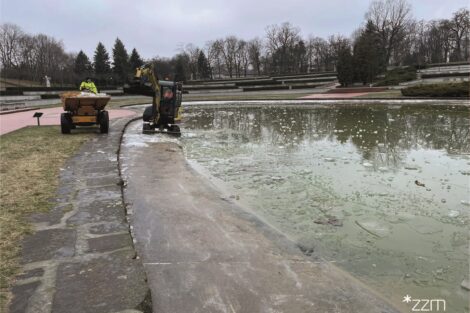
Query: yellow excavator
x,y
165,111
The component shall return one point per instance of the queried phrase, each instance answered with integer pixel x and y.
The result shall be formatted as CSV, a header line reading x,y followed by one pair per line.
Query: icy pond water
x,y
381,191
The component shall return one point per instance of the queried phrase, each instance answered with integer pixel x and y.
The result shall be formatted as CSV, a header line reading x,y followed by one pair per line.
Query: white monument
x,y
48,81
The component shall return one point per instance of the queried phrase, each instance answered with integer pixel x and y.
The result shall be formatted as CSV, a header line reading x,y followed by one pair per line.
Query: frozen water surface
x,y
394,181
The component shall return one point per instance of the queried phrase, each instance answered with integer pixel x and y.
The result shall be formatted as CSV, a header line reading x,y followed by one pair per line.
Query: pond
x,y
381,191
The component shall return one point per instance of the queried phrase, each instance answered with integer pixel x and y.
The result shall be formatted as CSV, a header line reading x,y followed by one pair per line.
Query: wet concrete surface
x,y
80,257
204,253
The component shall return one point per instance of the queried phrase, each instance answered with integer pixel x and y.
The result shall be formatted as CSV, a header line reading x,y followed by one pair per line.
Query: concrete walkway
x,y
334,95
81,257
203,253
14,121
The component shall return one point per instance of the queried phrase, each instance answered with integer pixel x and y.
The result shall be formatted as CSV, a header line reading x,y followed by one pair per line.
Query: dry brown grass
x,y
30,161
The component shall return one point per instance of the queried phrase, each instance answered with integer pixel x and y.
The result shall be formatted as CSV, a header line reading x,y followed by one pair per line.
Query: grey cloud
x,y
158,27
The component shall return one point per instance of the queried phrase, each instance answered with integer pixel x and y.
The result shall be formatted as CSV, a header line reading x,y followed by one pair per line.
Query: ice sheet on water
x,y
425,229
375,228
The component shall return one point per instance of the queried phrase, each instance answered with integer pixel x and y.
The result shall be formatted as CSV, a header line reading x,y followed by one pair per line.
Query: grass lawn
x,y
117,102
30,161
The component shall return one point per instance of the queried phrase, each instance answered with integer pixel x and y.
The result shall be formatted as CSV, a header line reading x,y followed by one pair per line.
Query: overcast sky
x,y
158,27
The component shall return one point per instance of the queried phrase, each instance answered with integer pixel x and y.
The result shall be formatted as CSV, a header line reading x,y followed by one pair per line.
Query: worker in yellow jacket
x,y
88,85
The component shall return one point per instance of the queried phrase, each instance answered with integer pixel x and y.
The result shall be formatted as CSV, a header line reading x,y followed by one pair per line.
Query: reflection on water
x,y
383,192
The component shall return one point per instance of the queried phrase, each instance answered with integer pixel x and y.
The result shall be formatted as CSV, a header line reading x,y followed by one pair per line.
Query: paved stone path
x,y
81,257
14,121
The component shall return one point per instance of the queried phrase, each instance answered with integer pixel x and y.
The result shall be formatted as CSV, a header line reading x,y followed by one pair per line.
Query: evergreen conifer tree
x,y
203,69
82,66
135,60
101,64
369,55
120,61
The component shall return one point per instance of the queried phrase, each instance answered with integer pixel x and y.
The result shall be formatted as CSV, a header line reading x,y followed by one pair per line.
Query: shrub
x,y
398,75
438,90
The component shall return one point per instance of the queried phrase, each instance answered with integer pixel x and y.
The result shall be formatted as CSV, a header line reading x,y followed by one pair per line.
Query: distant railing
x,y
447,68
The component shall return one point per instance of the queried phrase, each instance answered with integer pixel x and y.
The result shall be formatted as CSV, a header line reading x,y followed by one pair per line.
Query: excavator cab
x,y
170,102
165,110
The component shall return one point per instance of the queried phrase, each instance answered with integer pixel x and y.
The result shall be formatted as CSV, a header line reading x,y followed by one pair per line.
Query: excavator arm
x,y
145,76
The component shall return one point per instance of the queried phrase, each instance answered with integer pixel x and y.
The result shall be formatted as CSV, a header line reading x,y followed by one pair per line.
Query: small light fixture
x,y
38,115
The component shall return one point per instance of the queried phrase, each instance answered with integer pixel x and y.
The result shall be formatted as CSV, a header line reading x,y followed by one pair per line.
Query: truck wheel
x,y
65,124
104,122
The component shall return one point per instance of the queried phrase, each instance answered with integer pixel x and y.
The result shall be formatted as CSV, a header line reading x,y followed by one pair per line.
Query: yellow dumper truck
x,y
84,109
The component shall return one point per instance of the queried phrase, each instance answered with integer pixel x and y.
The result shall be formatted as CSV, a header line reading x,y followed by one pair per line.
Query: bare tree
x,y
28,58
459,26
439,41
281,40
415,43
255,47
193,54
23,56
228,50
390,18
213,57
241,58
319,54
10,45
338,44
300,57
